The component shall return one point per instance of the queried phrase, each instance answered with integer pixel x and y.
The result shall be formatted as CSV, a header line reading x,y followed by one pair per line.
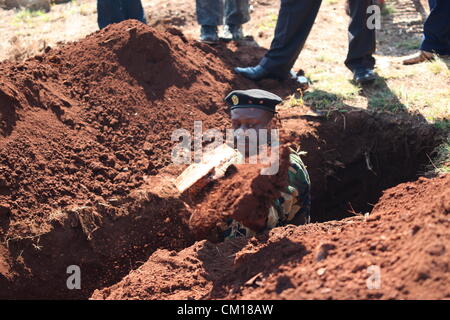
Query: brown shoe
x,y
422,56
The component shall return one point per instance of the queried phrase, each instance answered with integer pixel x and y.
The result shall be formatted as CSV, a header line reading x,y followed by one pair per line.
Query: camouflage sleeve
x,y
295,201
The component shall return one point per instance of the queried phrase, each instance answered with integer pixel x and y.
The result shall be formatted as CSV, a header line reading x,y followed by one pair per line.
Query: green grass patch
x,y
391,73
295,100
81,8
443,124
437,67
27,15
410,44
432,106
388,9
440,158
323,100
330,91
335,84
326,59
269,23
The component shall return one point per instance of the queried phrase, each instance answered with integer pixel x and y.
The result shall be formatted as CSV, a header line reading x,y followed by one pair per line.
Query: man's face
x,y
247,122
250,118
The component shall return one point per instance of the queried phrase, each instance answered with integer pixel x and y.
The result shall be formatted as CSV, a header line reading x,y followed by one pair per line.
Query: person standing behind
x,y
114,11
436,33
210,14
295,20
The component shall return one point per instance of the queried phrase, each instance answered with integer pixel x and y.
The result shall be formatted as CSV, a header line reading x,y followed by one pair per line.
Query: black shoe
x,y
258,73
232,32
363,76
208,34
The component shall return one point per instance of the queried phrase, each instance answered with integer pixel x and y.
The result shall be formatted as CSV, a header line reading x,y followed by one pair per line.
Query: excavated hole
x,y
353,156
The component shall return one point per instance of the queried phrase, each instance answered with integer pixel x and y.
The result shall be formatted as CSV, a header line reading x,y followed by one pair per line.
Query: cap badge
x,y
235,99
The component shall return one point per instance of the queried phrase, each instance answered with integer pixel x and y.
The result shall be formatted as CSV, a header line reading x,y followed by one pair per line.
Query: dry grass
x,y
27,32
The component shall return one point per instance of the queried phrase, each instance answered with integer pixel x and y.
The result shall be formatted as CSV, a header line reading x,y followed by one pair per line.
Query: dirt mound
x,y
81,126
244,195
405,238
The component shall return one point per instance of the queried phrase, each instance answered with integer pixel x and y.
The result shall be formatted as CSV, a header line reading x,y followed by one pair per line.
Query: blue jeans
x,y
436,30
114,11
211,12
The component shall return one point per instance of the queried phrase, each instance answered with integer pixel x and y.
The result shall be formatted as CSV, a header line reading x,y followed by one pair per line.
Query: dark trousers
x,y
114,11
436,29
212,12
295,20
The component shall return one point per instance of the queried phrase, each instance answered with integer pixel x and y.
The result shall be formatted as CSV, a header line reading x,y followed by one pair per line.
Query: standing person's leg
x,y
436,29
108,11
209,16
295,20
237,12
362,42
436,33
132,9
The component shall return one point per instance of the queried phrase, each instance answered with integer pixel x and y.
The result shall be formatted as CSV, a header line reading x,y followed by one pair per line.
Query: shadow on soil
x,y
229,272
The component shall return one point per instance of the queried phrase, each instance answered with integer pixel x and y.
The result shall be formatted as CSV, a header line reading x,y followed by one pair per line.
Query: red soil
x,y
87,121
245,195
407,236
85,148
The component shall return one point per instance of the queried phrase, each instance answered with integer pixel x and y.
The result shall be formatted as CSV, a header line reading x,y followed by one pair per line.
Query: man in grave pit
x,y
256,109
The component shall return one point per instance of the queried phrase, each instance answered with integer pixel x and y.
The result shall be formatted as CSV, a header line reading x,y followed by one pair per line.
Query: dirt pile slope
x,y
80,127
406,238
